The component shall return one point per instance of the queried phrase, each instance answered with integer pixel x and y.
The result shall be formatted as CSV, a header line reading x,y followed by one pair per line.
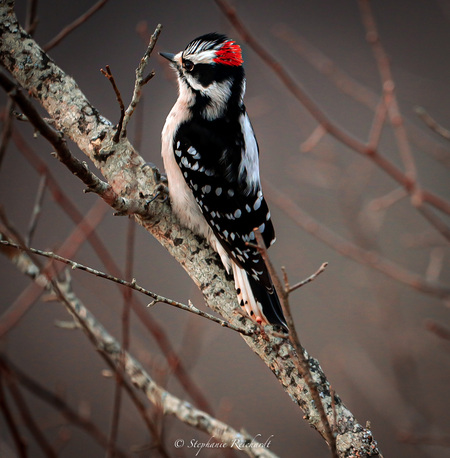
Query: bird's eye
x,y
188,65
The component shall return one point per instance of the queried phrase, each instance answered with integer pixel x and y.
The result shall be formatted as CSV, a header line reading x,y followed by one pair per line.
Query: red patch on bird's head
x,y
229,54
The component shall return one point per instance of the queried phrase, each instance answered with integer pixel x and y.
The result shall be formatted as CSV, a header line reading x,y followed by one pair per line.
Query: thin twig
x,y
108,74
37,208
129,284
377,126
309,279
386,201
316,135
438,329
432,123
31,19
63,153
7,128
71,27
141,80
120,372
390,98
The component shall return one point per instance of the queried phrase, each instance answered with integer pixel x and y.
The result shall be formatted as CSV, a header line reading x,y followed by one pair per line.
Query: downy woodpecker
x,y
211,159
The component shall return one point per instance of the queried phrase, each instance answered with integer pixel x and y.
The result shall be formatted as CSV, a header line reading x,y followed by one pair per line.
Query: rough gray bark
x,y
122,168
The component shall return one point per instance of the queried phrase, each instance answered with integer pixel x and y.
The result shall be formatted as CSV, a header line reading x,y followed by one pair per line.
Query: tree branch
x,y
122,168
117,358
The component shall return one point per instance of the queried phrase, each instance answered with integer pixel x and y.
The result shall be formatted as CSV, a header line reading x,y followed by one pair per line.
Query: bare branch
x,y
141,80
7,127
120,373
170,405
299,358
438,329
108,74
349,86
36,210
75,24
352,251
129,284
312,277
390,98
432,123
31,19
66,205
77,167
320,116
94,137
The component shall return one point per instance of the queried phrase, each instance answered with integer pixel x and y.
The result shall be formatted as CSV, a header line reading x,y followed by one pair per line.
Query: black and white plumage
x,y
211,159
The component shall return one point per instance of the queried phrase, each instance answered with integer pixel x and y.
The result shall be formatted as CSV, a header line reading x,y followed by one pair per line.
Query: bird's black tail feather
x,y
269,303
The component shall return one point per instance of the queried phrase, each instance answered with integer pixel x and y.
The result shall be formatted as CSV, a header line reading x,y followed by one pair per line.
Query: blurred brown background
x,y
367,330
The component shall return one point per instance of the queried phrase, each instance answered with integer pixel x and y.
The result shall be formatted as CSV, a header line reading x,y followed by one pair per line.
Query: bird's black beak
x,y
167,55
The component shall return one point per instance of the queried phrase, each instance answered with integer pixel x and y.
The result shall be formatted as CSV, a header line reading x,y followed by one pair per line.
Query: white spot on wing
x,y
249,165
257,203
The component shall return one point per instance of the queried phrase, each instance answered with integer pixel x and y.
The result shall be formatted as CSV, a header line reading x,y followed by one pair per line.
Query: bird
x,y
211,158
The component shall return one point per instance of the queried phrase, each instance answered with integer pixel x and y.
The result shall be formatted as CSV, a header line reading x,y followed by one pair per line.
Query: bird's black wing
x,y
210,165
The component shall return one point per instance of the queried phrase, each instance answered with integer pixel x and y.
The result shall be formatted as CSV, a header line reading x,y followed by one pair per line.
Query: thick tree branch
x,y
121,166
119,359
